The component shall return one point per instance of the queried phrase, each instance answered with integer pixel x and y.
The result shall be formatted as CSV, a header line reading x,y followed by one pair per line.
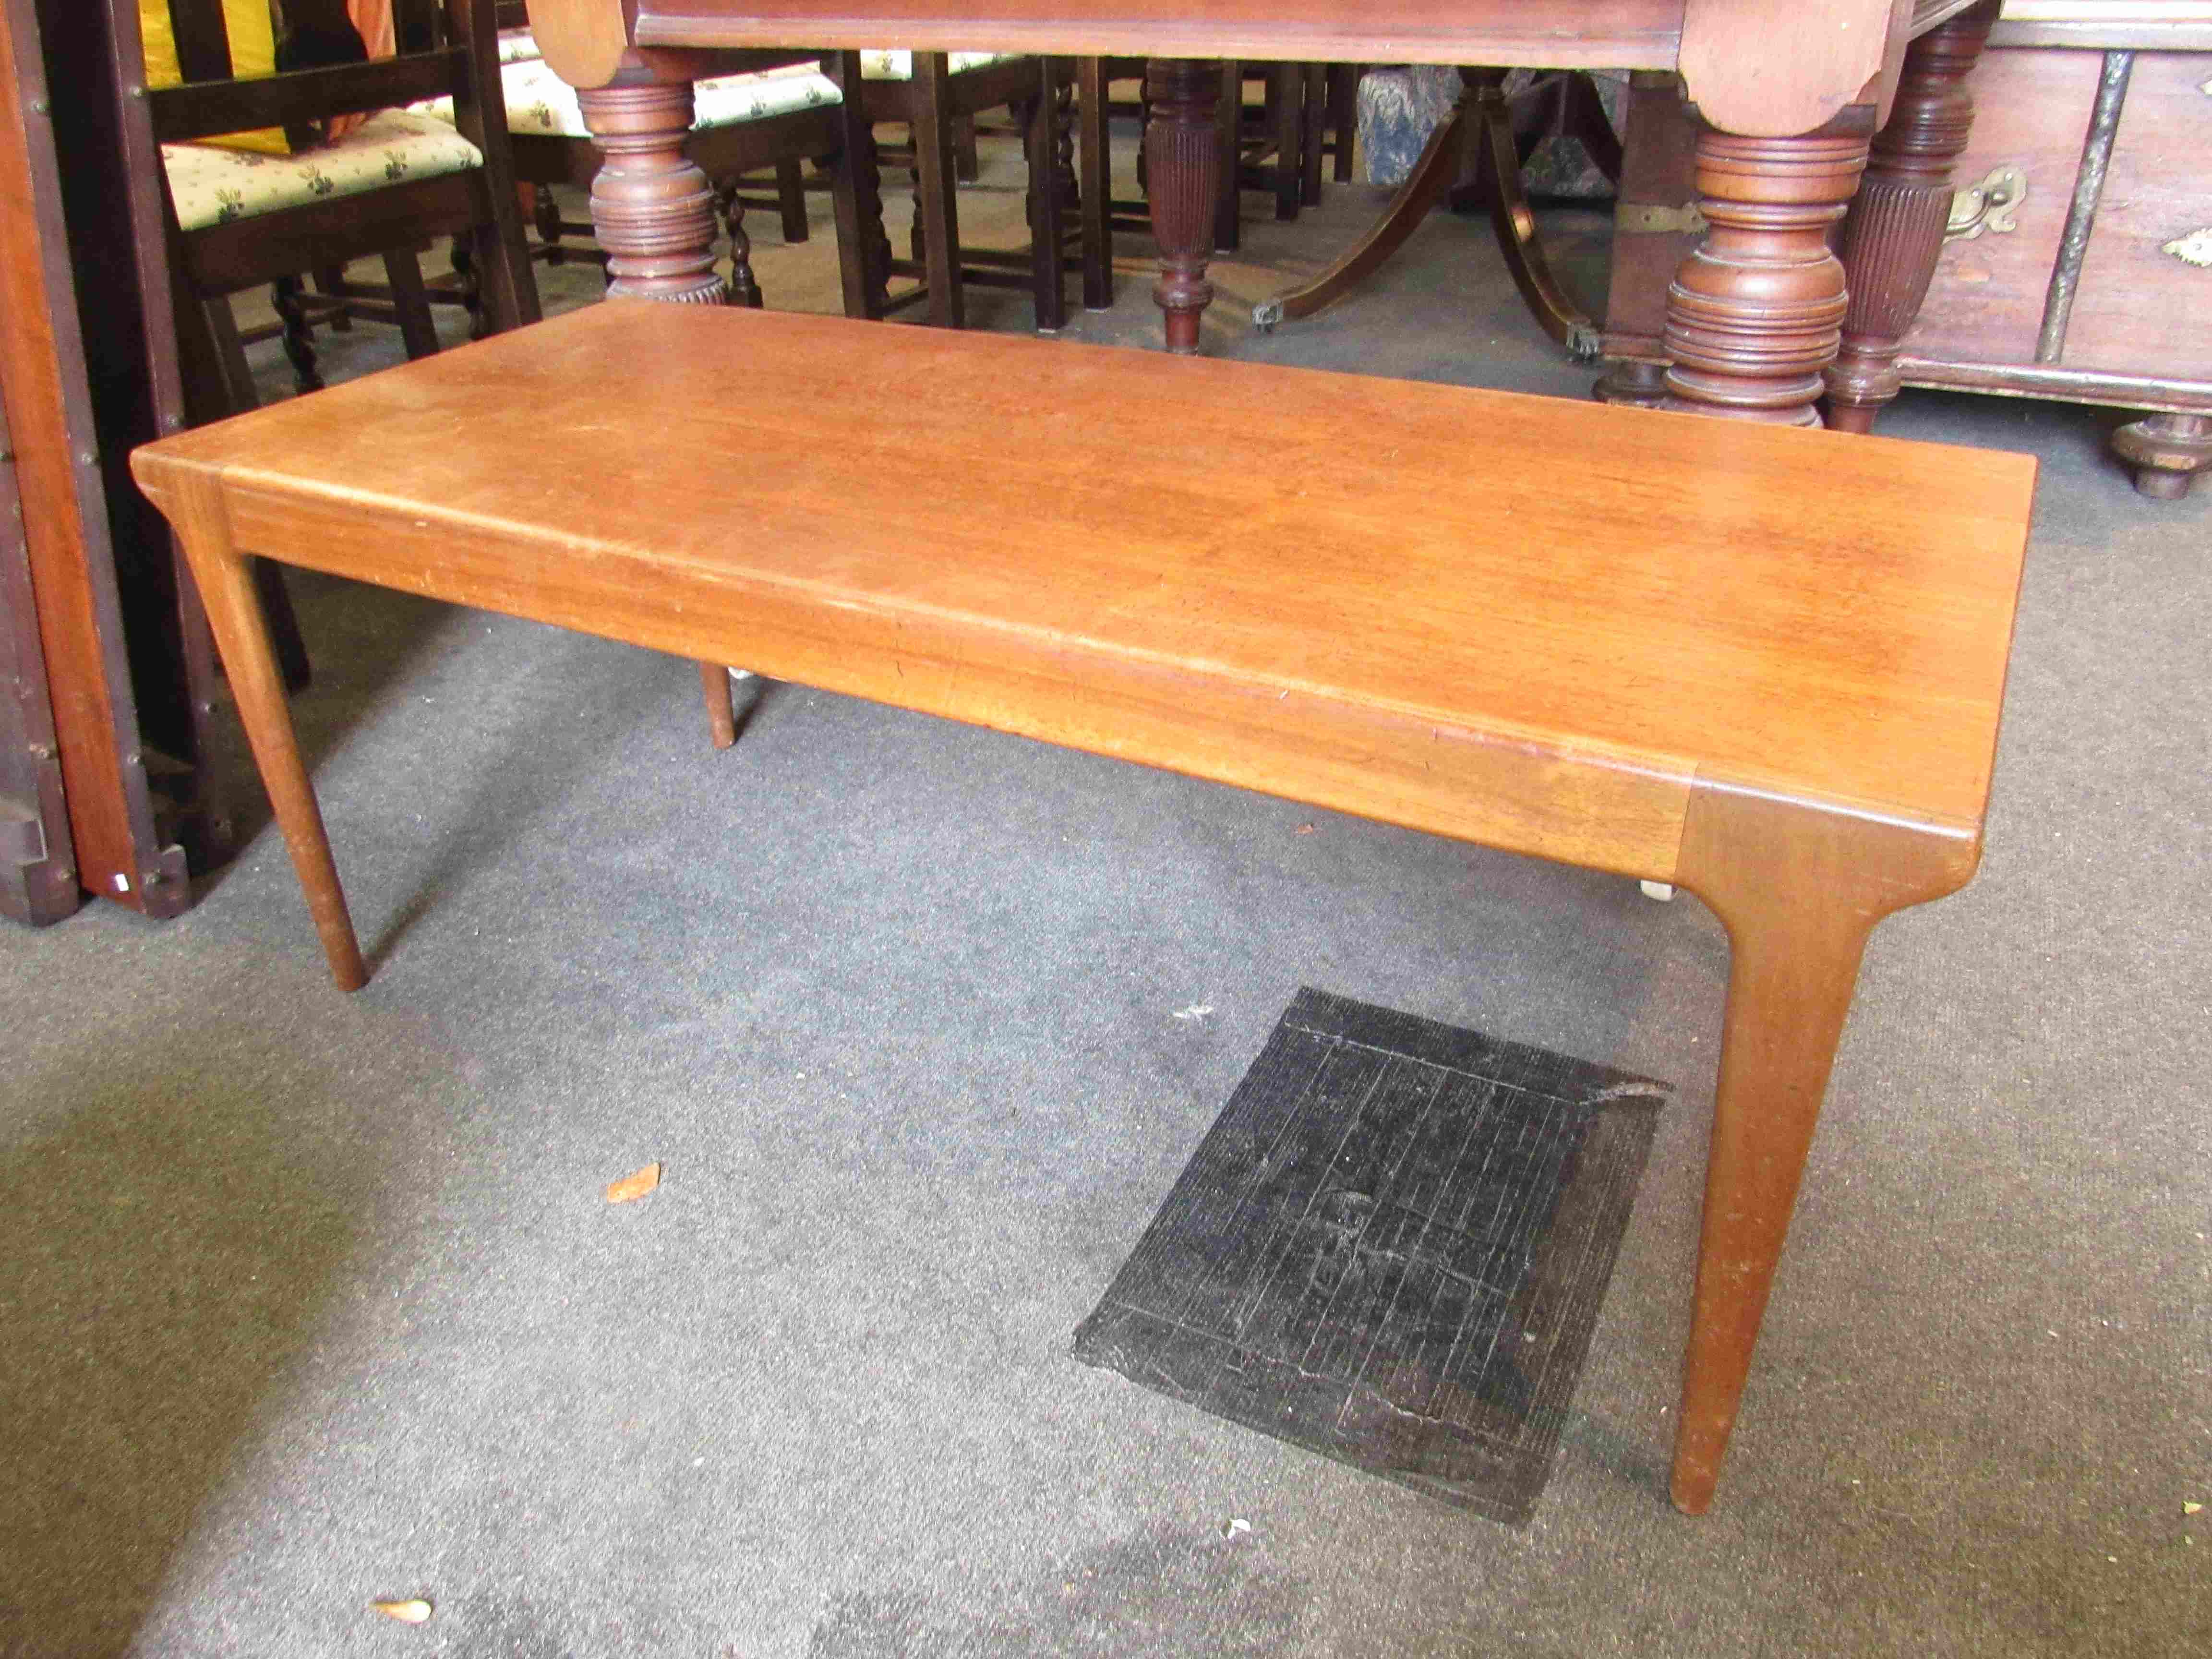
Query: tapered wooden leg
x,y
1800,888
722,713
1756,311
1182,154
241,634
1894,233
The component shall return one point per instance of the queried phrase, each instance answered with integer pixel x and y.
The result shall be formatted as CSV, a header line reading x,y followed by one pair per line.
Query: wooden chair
x,y
213,221
937,96
208,222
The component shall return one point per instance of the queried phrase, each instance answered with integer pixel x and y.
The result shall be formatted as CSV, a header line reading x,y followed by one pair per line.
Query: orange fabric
x,y
373,18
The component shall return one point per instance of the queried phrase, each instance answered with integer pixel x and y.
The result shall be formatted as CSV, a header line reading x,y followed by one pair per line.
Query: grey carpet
x,y
309,1299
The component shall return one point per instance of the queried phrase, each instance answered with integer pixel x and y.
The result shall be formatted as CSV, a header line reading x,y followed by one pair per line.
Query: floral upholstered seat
x,y
212,185
899,65
540,102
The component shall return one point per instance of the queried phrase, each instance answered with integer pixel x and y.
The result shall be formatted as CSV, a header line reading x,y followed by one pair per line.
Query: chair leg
x,y
545,215
238,393
1313,119
791,200
410,301
1343,115
284,293
1229,138
967,164
507,291
330,279
1048,196
864,253
937,217
471,284
1286,90
744,290
1097,202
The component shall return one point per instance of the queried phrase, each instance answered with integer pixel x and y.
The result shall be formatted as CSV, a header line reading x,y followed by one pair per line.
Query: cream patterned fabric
x,y
515,45
539,102
213,185
899,65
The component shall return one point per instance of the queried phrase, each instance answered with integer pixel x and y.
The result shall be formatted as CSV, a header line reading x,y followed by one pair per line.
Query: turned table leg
x,y
652,210
1182,173
1756,311
1799,887
1894,233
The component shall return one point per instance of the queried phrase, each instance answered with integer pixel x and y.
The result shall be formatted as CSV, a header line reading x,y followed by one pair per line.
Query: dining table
x,y
1770,312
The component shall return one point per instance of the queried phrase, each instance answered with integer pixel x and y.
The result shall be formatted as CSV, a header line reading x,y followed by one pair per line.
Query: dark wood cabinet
x,y
88,638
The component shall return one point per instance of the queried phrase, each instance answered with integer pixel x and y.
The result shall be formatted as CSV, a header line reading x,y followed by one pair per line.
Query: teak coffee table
x,y
1502,619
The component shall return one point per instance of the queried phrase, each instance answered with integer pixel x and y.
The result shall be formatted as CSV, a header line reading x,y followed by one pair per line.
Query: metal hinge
x,y
1649,218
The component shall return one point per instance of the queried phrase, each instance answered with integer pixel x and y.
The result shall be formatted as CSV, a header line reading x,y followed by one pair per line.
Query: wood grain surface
x,y
1583,34
1518,621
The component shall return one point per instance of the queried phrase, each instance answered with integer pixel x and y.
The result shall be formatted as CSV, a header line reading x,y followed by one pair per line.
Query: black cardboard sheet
x,y
1390,1248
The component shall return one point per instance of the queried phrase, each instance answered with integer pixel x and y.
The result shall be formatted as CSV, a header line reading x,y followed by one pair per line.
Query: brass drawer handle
x,y
1988,206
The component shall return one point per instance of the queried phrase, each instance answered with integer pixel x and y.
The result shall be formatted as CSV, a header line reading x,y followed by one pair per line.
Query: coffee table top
x,y
1021,533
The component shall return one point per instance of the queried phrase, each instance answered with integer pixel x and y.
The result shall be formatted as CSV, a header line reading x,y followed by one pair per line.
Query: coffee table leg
x,y
1800,888
1182,175
241,634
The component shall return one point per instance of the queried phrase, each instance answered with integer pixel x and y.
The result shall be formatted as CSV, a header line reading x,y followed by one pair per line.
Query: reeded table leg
x,y
1182,171
1894,234
1756,312
1799,887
